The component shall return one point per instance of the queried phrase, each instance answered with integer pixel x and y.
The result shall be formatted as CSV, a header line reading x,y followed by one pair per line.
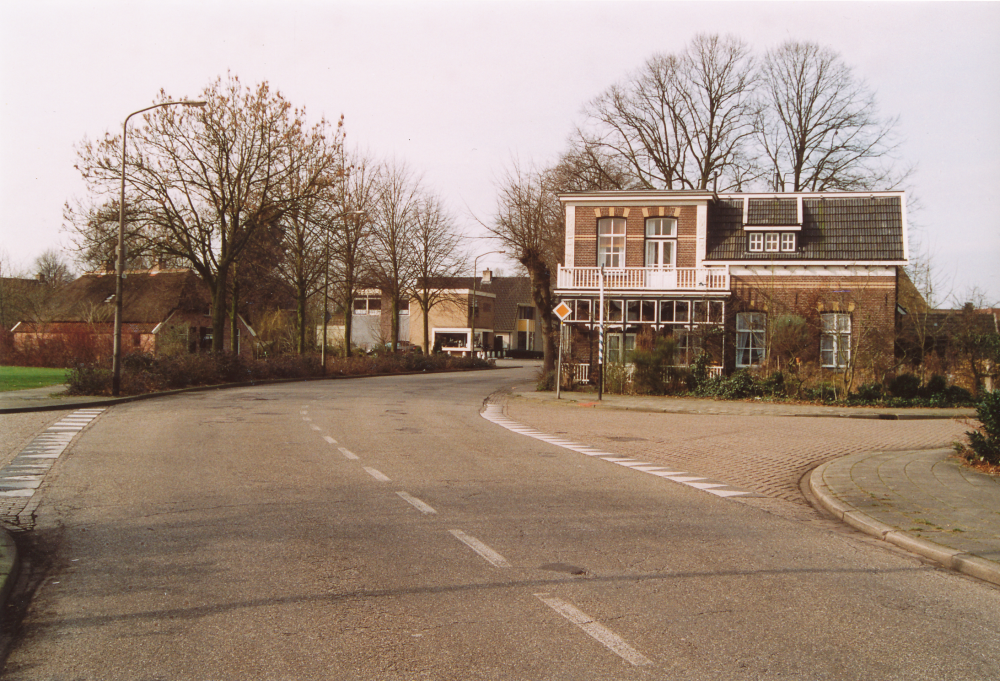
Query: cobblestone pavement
x,y
766,454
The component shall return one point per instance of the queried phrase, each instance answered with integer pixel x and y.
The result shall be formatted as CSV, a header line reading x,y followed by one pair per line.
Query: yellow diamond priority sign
x,y
563,310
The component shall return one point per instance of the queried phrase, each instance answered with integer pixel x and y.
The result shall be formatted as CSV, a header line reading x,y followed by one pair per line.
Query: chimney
x,y
40,277
487,276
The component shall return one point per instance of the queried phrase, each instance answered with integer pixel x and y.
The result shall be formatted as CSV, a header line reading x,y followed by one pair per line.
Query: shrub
x,y
905,386
89,379
935,385
867,393
651,366
985,440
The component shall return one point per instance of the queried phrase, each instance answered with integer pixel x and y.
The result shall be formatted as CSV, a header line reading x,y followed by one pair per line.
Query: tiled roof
x,y
849,229
776,211
148,297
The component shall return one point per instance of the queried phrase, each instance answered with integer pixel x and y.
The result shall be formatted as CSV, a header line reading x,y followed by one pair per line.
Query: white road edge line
x,y
377,474
348,454
482,549
597,631
416,503
329,439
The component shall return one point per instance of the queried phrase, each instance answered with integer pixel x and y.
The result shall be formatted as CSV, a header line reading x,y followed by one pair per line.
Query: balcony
x,y
676,279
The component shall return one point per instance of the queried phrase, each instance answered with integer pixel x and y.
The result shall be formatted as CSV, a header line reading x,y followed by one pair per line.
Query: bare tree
x,y
820,123
52,269
305,226
392,264
436,253
530,224
203,182
681,121
348,232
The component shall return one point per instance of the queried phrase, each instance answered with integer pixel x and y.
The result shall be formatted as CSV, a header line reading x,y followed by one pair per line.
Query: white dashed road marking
x,y
377,474
416,503
329,439
348,454
494,414
482,549
597,631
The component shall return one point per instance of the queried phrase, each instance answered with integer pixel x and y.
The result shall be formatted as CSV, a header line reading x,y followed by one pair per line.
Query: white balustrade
x,y
645,278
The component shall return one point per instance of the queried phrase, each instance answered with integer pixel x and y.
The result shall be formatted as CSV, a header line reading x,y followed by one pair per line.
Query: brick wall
x,y
585,241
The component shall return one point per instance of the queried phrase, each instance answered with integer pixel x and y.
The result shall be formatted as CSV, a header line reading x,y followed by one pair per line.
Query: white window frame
x,y
756,242
788,242
772,242
751,339
835,340
611,242
661,242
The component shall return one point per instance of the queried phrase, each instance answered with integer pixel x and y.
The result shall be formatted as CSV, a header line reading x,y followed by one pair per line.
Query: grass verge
x,y
22,378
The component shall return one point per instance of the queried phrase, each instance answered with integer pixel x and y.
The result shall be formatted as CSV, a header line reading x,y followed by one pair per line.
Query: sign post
x,y
563,311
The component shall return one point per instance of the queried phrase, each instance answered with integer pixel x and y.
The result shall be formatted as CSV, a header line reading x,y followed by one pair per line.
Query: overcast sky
x,y
458,89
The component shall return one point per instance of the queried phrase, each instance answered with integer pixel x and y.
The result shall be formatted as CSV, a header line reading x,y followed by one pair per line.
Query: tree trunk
x,y
219,311
300,315
348,320
234,324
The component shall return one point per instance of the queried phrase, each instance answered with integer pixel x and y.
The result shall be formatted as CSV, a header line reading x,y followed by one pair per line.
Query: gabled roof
x,y
148,297
854,229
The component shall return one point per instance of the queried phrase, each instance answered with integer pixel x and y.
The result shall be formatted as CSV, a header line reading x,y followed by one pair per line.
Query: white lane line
x,y
329,439
377,474
416,503
314,426
597,631
348,454
482,549
494,414
306,418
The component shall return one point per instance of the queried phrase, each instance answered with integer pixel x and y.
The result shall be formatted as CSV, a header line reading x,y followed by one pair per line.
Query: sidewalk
x,y
923,501
49,398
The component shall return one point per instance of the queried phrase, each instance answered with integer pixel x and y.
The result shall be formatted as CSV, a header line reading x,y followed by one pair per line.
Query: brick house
x,y
506,317
751,280
164,311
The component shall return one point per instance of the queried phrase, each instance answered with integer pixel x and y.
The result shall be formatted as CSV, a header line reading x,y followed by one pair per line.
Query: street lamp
x,y
116,362
472,324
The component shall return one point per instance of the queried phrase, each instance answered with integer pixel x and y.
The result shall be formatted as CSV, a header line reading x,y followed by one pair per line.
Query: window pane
x,y
756,241
614,311
682,311
715,312
788,241
582,311
771,241
661,227
700,312
632,311
666,310
648,311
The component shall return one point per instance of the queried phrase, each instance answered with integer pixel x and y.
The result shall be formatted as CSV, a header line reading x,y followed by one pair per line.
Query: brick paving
x,y
766,454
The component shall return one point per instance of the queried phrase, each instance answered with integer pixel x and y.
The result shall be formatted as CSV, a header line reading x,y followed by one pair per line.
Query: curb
x,y
876,416
960,561
8,565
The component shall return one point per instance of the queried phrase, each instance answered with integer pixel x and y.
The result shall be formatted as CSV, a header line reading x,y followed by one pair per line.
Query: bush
x,y
935,385
905,385
984,441
144,373
868,393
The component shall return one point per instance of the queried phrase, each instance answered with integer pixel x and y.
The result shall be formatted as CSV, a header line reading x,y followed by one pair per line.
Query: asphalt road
x,y
382,529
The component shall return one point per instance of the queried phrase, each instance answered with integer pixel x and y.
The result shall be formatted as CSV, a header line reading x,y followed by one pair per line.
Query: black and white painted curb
x,y
494,413
21,478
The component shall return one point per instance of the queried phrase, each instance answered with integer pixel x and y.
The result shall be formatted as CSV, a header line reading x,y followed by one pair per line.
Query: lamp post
x,y
116,368
472,324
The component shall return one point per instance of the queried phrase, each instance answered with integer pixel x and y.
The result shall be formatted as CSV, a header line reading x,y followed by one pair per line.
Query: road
x,y
383,529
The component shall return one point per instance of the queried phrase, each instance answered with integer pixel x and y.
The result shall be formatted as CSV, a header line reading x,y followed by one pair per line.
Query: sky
x,y
459,90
